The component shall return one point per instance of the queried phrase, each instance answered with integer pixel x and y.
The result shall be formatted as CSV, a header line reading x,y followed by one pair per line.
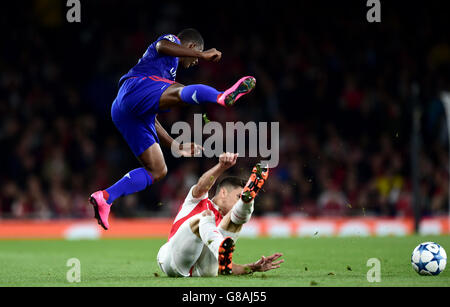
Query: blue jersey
x,y
153,63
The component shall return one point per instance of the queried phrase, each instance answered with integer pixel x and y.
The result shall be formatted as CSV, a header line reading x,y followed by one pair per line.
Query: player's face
x,y
232,197
189,61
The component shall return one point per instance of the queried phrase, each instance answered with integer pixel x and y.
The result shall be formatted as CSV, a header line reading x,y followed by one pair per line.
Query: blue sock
x,y
199,94
135,181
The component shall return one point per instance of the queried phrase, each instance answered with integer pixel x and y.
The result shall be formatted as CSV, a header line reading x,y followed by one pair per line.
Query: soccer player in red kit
x,y
201,241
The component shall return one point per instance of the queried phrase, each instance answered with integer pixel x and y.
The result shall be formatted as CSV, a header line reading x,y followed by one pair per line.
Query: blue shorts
x,y
134,111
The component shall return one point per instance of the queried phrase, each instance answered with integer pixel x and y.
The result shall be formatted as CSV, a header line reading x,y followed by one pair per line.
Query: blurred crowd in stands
x,y
339,86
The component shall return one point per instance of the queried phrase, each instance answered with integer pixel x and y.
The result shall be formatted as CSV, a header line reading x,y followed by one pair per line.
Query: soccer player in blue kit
x,y
149,88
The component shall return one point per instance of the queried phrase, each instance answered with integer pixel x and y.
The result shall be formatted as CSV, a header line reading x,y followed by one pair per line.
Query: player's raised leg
x,y
197,94
241,212
134,181
243,209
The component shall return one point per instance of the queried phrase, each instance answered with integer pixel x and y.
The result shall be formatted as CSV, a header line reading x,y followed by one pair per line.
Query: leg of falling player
x,y
177,257
231,224
221,247
243,209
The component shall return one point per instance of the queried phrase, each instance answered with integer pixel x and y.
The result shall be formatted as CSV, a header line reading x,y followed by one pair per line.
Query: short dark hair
x,y
191,35
230,182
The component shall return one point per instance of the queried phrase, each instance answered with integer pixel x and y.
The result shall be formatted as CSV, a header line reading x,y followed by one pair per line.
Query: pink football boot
x,y
244,86
101,208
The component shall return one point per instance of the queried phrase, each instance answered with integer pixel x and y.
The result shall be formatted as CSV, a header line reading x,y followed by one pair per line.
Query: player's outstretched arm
x,y
207,180
262,265
172,49
185,150
165,139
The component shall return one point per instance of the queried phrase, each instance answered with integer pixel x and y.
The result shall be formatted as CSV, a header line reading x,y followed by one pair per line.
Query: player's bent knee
x,y
171,96
158,174
163,172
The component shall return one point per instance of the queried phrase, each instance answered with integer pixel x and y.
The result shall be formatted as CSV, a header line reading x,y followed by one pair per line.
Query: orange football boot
x,y
255,182
226,250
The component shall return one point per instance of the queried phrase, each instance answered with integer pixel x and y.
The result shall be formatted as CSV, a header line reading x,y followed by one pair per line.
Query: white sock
x,y
241,212
209,234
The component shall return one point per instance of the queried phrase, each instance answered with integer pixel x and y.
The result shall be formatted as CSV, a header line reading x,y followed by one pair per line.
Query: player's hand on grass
x,y
227,160
190,149
212,55
267,263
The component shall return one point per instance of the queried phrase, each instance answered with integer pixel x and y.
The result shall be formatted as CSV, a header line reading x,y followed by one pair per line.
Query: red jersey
x,y
193,206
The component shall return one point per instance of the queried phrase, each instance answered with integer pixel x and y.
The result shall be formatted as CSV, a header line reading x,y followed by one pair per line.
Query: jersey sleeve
x,y
191,200
170,37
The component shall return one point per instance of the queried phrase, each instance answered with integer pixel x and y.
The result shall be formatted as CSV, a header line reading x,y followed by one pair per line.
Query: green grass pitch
x,y
316,261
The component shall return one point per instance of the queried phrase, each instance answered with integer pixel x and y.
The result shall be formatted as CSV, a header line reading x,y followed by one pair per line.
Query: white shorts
x,y
186,255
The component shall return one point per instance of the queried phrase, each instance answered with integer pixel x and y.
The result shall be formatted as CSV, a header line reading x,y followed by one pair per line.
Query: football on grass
x,y
429,258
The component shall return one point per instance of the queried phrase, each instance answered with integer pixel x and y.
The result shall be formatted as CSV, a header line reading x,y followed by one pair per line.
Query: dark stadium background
x,y
339,86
